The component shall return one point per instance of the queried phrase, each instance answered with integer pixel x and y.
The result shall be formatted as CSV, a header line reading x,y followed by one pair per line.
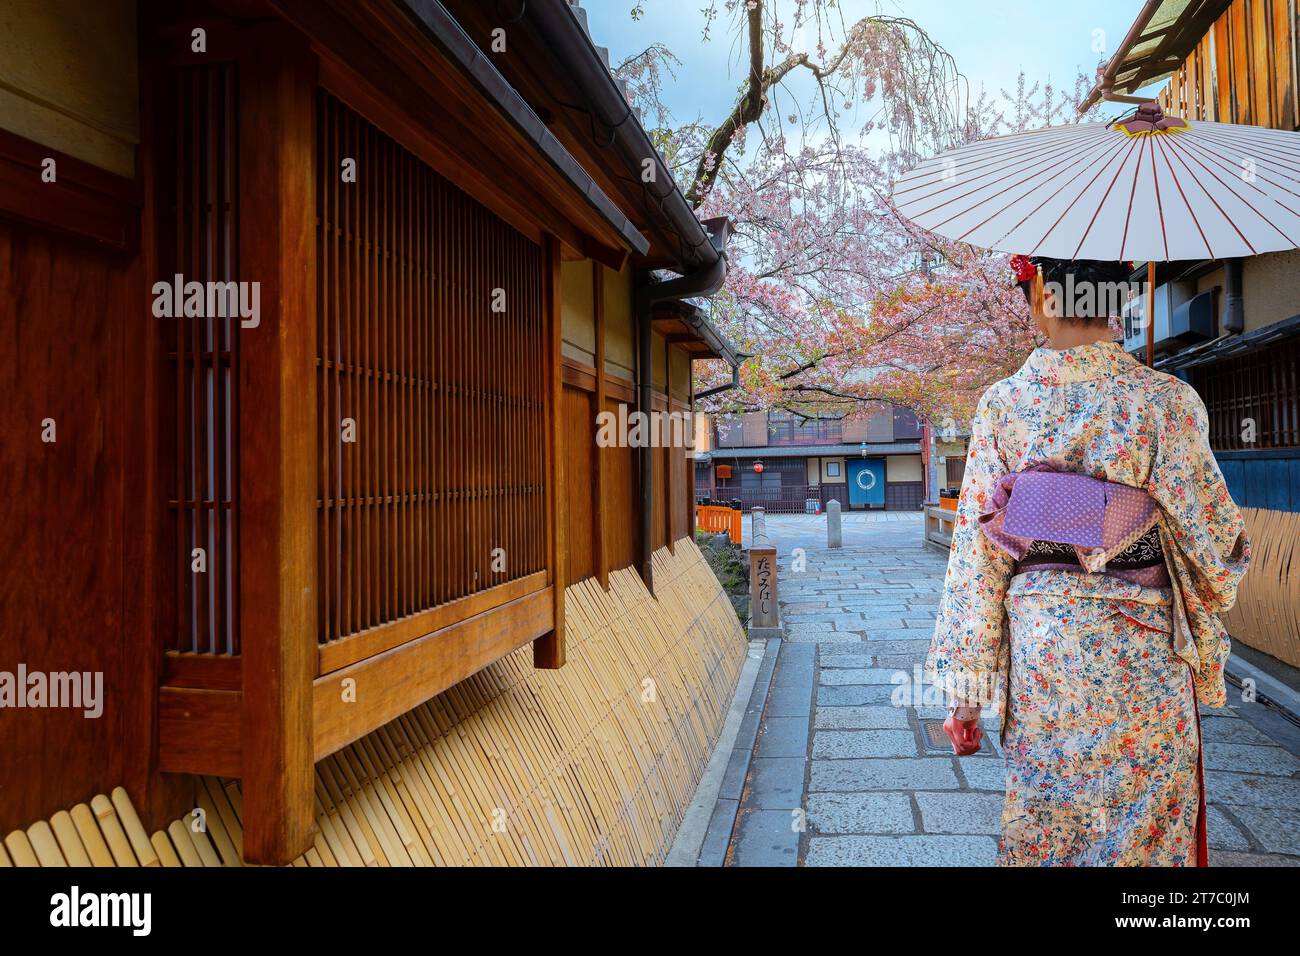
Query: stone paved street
x,y
842,774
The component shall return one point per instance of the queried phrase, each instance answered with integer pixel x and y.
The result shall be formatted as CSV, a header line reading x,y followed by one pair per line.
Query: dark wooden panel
x,y
579,435
549,650
904,495
659,499
621,503
681,502
61,512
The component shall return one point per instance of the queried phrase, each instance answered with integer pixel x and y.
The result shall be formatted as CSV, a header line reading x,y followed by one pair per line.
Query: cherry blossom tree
x,y
838,300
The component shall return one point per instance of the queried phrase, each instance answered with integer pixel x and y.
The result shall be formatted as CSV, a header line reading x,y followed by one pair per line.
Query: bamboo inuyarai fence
x,y
591,764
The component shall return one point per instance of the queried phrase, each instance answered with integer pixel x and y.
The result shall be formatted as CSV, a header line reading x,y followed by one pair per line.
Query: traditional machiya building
x,y
1232,327
310,313
875,460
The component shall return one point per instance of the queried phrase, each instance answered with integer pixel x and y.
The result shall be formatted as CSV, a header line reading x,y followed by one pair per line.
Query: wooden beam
x,y
198,732
84,201
609,256
146,614
598,504
277,422
348,650
388,685
209,671
690,457
548,652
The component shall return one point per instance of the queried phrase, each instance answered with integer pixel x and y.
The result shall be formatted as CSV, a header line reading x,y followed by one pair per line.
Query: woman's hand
x,y
964,734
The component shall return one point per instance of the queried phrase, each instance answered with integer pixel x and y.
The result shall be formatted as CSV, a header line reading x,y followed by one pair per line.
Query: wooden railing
x,y
939,526
719,520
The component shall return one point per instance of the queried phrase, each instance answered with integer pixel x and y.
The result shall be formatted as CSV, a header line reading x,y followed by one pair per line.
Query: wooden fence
x,y
719,520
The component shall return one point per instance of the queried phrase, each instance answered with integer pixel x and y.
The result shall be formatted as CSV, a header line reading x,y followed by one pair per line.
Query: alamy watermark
x,y
638,429
71,690
75,908
208,300
1092,300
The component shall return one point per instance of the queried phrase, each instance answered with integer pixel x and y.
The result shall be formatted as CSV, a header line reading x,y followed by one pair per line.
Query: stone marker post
x,y
764,612
834,533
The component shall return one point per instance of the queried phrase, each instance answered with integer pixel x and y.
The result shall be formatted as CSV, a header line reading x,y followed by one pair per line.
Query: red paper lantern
x,y
758,467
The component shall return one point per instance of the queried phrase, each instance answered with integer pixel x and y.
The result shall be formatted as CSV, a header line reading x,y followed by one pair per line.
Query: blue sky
x,y
992,42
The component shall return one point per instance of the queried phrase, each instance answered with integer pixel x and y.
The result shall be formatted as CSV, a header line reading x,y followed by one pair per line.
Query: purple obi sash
x,y
1068,521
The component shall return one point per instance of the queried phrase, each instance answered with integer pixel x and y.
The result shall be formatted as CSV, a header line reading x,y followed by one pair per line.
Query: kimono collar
x,y
1047,366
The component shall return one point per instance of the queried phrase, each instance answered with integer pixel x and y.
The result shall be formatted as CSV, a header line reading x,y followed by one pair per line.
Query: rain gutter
x,y
558,27
718,390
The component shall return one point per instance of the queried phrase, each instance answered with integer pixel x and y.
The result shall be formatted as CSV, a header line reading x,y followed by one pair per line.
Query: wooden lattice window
x,y
1253,400
432,378
198,239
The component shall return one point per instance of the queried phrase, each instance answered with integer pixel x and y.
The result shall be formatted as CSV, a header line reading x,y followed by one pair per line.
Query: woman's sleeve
x,y
1205,522
1205,533
968,654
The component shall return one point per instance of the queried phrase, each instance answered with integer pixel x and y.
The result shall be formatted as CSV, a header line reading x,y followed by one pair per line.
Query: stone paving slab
x,y
1223,832
872,717
961,812
903,773
860,813
848,744
901,851
765,838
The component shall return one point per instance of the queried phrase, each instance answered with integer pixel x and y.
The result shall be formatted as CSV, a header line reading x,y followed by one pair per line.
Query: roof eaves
x,y
1162,35
444,32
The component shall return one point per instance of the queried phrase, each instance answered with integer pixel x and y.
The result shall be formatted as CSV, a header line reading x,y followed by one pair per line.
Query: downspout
x,y
719,389
703,282
1233,320
1107,82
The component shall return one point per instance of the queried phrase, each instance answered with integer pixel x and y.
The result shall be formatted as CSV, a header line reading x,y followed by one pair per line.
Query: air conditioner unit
x,y
1169,297
1193,321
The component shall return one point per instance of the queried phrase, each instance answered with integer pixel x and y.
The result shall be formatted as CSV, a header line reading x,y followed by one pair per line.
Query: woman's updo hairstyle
x,y
1097,273
1083,270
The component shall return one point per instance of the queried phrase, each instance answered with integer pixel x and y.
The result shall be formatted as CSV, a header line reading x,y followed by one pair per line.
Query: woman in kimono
x,y
1094,547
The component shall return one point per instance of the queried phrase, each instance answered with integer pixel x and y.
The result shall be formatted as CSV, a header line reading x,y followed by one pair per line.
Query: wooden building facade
x,y
304,341
871,460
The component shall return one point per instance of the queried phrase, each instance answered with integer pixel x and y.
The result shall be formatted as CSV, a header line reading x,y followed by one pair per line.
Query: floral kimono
x,y
1097,672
